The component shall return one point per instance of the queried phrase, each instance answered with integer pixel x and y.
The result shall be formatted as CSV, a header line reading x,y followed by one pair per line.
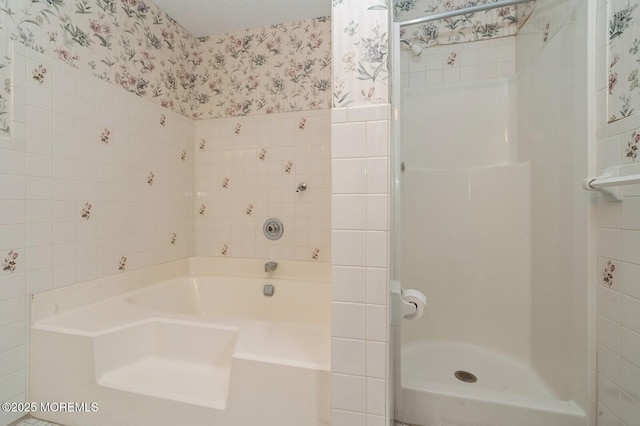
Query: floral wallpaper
x,y
280,68
137,46
499,22
5,95
361,41
623,59
129,43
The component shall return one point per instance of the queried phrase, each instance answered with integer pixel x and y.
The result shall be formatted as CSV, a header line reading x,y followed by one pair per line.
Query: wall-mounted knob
x,y
301,187
273,228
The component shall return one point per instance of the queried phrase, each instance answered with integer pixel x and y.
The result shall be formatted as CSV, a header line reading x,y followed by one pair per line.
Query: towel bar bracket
x,y
609,192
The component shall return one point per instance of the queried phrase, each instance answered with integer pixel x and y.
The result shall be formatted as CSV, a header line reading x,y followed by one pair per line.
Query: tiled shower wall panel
x,y
618,242
360,189
247,170
459,63
95,181
618,292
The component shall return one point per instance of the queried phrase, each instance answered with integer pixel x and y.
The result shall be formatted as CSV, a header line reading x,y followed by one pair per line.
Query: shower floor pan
x,y
507,392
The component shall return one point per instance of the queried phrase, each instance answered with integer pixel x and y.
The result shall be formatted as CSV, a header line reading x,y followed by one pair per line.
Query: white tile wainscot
x,y
459,63
94,183
618,294
247,169
360,265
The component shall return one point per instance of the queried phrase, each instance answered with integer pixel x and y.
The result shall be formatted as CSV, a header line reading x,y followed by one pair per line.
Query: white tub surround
x,y
195,348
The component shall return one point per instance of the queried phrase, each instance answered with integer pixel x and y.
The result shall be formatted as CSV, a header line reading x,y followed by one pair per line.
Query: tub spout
x,y
270,266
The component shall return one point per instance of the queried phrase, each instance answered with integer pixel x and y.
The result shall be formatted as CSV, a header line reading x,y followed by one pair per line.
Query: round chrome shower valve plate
x,y
273,228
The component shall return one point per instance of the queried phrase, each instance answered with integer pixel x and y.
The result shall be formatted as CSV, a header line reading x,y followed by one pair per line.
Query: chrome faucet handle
x,y
270,266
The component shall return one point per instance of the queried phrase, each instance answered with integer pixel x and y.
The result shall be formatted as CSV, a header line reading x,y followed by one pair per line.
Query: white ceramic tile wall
x,y
360,259
456,63
618,298
247,170
92,183
618,261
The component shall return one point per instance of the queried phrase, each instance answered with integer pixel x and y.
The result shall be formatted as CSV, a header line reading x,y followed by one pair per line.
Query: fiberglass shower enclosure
x,y
491,224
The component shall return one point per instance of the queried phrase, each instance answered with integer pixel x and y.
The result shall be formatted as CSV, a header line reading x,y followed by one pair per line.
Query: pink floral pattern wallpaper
x,y
280,68
499,22
135,45
623,59
5,94
362,39
129,43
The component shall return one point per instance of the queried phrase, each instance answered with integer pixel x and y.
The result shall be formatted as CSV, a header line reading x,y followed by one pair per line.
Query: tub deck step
x,y
293,344
190,382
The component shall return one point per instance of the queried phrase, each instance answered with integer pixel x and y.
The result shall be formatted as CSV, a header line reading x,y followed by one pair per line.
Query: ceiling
x,y
210,17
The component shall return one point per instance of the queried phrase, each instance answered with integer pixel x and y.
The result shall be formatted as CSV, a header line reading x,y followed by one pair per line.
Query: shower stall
x,y
490,145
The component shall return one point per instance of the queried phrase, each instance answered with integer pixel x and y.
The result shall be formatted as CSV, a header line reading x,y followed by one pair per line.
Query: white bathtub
x,y
202,350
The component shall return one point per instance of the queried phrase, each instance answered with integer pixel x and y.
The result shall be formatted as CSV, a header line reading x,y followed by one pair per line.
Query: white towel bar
x,y
610,179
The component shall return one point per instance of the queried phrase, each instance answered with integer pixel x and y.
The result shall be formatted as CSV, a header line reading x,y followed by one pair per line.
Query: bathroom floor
x,y
30,421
